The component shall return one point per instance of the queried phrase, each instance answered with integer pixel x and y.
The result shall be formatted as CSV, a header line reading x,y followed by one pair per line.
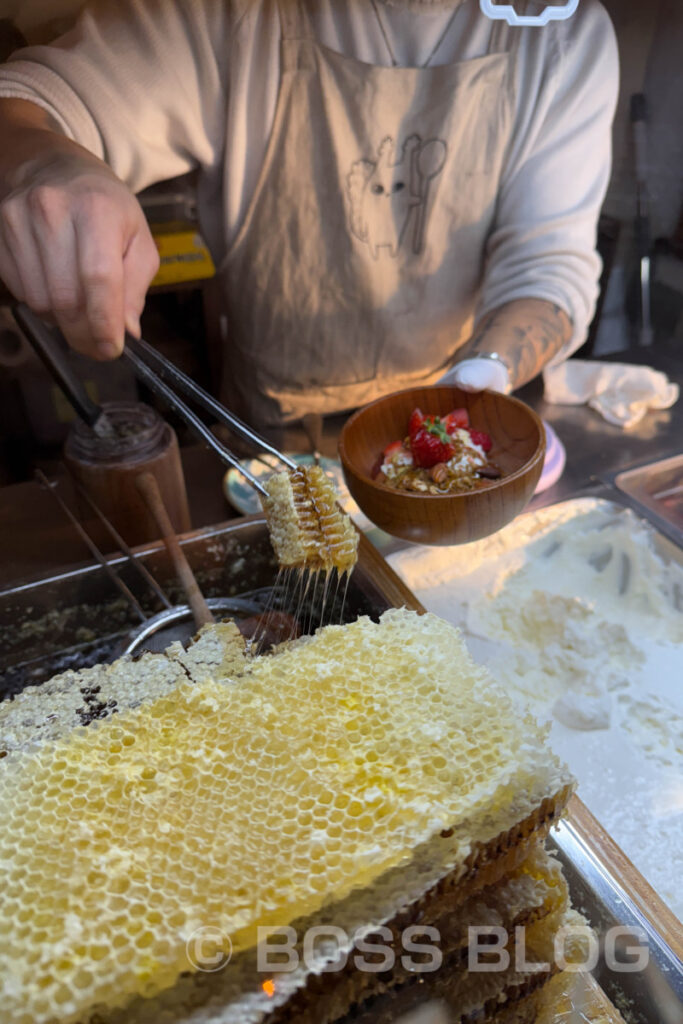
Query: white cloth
x,y
157,87
621,393
478,375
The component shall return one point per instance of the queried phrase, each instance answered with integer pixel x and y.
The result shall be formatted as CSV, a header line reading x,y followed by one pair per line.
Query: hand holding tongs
x,y
160,376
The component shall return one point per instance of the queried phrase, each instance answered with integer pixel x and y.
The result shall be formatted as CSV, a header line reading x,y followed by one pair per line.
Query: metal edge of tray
x,y
594,862
217,554
78,571
372,566
669,529
619,895
596,866
605,488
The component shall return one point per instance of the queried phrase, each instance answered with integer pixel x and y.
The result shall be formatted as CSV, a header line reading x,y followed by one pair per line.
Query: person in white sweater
x,y
393,192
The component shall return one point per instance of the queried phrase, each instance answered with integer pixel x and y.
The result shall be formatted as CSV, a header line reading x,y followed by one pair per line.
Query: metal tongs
x,y
161,377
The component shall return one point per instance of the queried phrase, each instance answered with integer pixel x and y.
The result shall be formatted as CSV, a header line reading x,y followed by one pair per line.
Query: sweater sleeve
x,y
139,83
543,240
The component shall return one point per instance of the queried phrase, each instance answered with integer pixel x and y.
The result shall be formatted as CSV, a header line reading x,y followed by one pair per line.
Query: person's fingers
x,y
9,271
140,264
84,255
54,238
100,240
20,264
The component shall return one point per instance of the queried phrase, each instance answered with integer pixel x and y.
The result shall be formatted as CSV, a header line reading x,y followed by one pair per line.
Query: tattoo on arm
x,y
527,333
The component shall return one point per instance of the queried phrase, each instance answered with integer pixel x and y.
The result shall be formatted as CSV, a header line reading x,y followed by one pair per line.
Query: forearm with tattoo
x,y
527,333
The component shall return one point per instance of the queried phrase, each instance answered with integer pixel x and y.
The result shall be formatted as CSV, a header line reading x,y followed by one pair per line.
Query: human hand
x,y
477,374
75,245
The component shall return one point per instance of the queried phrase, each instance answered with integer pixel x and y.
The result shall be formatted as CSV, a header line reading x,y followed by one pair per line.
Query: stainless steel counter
x,y
596,450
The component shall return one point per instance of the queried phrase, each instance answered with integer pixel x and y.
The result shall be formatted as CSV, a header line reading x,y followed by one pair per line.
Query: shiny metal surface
x,y
178,623
169,372
597,450
655,993
171,399
658,488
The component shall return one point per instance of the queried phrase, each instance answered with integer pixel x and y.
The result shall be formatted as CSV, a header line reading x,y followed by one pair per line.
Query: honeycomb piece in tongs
x,y
307,527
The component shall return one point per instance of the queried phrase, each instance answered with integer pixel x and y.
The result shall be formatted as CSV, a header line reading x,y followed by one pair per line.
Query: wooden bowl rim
x,y
539,452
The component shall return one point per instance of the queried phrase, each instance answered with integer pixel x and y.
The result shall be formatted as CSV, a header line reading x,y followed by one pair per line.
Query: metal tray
x,y
77,618
604,884
657,489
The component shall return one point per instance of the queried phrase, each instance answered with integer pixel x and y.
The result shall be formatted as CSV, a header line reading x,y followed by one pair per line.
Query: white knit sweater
x,y
156,87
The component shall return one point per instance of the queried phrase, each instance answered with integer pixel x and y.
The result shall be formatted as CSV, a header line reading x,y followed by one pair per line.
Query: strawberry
x,y
431,444
417,418
458,418
392,449
482,439
428,449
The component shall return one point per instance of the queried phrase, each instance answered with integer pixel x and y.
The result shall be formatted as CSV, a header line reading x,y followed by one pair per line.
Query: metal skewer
x,y
139,565
94,550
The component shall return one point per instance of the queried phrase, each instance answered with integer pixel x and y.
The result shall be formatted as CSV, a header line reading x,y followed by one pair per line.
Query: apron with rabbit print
x,y
357,268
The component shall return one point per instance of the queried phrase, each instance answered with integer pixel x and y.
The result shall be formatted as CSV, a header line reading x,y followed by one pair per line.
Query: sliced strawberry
x,y
431,445
482,439
455,420
417,418
392,449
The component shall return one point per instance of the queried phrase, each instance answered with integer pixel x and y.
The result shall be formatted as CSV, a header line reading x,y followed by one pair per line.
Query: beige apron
x,y
358,265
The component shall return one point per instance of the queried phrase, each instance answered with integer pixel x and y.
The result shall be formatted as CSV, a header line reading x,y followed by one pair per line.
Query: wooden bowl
x,y
518,450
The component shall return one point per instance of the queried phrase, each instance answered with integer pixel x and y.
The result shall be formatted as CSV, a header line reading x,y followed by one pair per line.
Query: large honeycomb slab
x,y
246,805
